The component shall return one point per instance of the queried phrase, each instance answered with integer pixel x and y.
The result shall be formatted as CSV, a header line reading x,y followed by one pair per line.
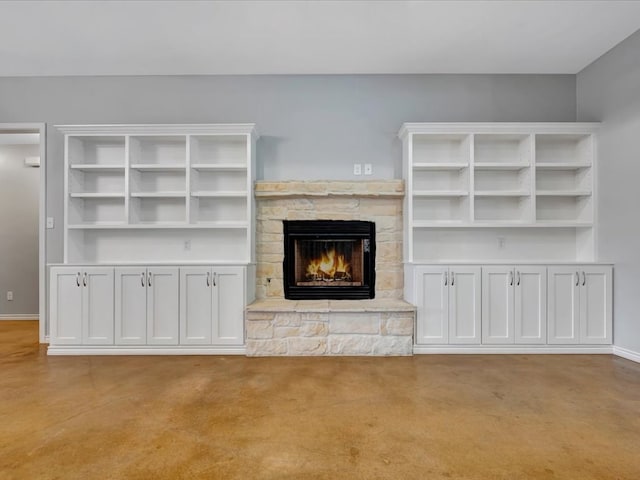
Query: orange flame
x,y
328,265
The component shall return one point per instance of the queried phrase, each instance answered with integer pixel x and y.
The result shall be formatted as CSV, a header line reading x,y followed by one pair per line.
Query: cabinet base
x,y
142,350
512,349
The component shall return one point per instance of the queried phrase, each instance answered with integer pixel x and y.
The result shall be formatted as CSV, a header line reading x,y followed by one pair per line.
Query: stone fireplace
x,y
324,325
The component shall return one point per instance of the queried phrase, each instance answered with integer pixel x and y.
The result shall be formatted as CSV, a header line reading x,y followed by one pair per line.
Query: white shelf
x,y
97,195
501,193
563,193
500,166
528,184
219,166
97,168
158,194
562,166
158,167
440,193
159,225
221,194
135,191
440,166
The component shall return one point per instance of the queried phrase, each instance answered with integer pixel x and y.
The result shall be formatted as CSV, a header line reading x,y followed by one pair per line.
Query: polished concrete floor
x,y
426,417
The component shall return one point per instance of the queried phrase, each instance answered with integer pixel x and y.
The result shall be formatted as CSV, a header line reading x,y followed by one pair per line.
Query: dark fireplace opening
x,y
329,259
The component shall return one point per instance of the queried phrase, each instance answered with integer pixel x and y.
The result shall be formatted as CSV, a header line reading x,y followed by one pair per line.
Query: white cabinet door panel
x,y
432,300
595,305
196,287
162,306
228,305
97,317
464,305
497,305
530,305
130,306
563,305
66,306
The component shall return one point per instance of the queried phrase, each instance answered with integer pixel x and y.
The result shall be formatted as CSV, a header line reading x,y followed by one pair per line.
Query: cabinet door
x,y
563,305
97,306
196,286
530,305
131,306
595,305
432,300
497,305
162,306
66,306
228,305
464,305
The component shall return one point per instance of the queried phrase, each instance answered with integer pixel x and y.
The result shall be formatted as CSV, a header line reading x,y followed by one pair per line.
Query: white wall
x,y
19,197
608,90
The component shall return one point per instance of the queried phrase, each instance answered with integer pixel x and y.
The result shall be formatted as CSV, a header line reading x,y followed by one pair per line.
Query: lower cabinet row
x,y
147,306
521,305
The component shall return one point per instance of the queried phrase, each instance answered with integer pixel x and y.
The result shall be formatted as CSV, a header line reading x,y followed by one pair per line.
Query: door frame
x,y
40,128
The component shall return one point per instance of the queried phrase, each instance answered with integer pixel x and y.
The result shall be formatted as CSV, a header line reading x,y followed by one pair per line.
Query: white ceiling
x,y
308,37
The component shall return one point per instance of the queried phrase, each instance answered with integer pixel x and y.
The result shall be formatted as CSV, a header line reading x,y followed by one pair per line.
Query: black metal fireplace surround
x,y
329,259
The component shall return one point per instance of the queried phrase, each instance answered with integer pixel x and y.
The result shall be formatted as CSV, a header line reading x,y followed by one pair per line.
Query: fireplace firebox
x,y
329,259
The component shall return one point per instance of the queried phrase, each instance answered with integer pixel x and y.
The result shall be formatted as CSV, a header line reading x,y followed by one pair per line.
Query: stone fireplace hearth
x,y
380,326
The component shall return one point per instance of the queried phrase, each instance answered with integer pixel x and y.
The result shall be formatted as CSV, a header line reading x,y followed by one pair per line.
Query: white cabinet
x,y
212,301
448,301
580,305
146,304
82,306
514,305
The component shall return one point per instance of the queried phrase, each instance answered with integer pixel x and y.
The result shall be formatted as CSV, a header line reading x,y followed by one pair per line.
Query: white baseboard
x,y
19,316
626,353
141,350
511,349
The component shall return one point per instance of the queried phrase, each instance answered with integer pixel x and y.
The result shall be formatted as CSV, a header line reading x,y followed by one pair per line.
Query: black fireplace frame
x,y
329,229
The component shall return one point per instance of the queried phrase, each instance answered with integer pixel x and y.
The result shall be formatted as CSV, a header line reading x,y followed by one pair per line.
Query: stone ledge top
x,y
375,305
329,188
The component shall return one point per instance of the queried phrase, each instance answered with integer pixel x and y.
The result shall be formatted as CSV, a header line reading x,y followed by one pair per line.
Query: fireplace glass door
x,y
329,259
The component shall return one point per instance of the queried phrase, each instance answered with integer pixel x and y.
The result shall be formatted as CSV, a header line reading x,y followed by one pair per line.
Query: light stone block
x,y
287,319
258,348
259,329
307,346
401,325
354,323
352,344
401,345
314,329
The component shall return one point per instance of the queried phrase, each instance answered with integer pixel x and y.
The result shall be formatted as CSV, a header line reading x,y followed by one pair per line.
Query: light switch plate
x,y
50,222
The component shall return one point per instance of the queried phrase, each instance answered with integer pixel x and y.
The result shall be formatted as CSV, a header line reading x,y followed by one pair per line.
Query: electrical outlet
x,y
10,296
357,169
368,169
501,242
187,245
50,223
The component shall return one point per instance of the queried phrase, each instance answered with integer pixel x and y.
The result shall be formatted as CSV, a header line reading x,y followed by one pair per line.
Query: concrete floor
x,y
426,417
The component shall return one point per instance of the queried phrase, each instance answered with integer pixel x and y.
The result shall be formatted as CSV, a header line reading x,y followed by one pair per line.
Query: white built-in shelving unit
x,y
141,193
499,191
499,238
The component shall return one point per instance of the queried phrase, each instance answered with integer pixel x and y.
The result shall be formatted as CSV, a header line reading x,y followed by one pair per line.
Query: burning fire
x,y
330,266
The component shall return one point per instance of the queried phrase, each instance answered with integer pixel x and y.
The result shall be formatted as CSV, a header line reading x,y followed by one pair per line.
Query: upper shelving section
x,y
159,178
471,176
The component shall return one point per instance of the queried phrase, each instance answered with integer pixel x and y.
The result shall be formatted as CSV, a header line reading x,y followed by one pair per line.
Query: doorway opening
x,y
23,219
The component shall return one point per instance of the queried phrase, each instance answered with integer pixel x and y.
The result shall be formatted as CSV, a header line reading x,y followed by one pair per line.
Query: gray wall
x,y
311,126
608,90
19,198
